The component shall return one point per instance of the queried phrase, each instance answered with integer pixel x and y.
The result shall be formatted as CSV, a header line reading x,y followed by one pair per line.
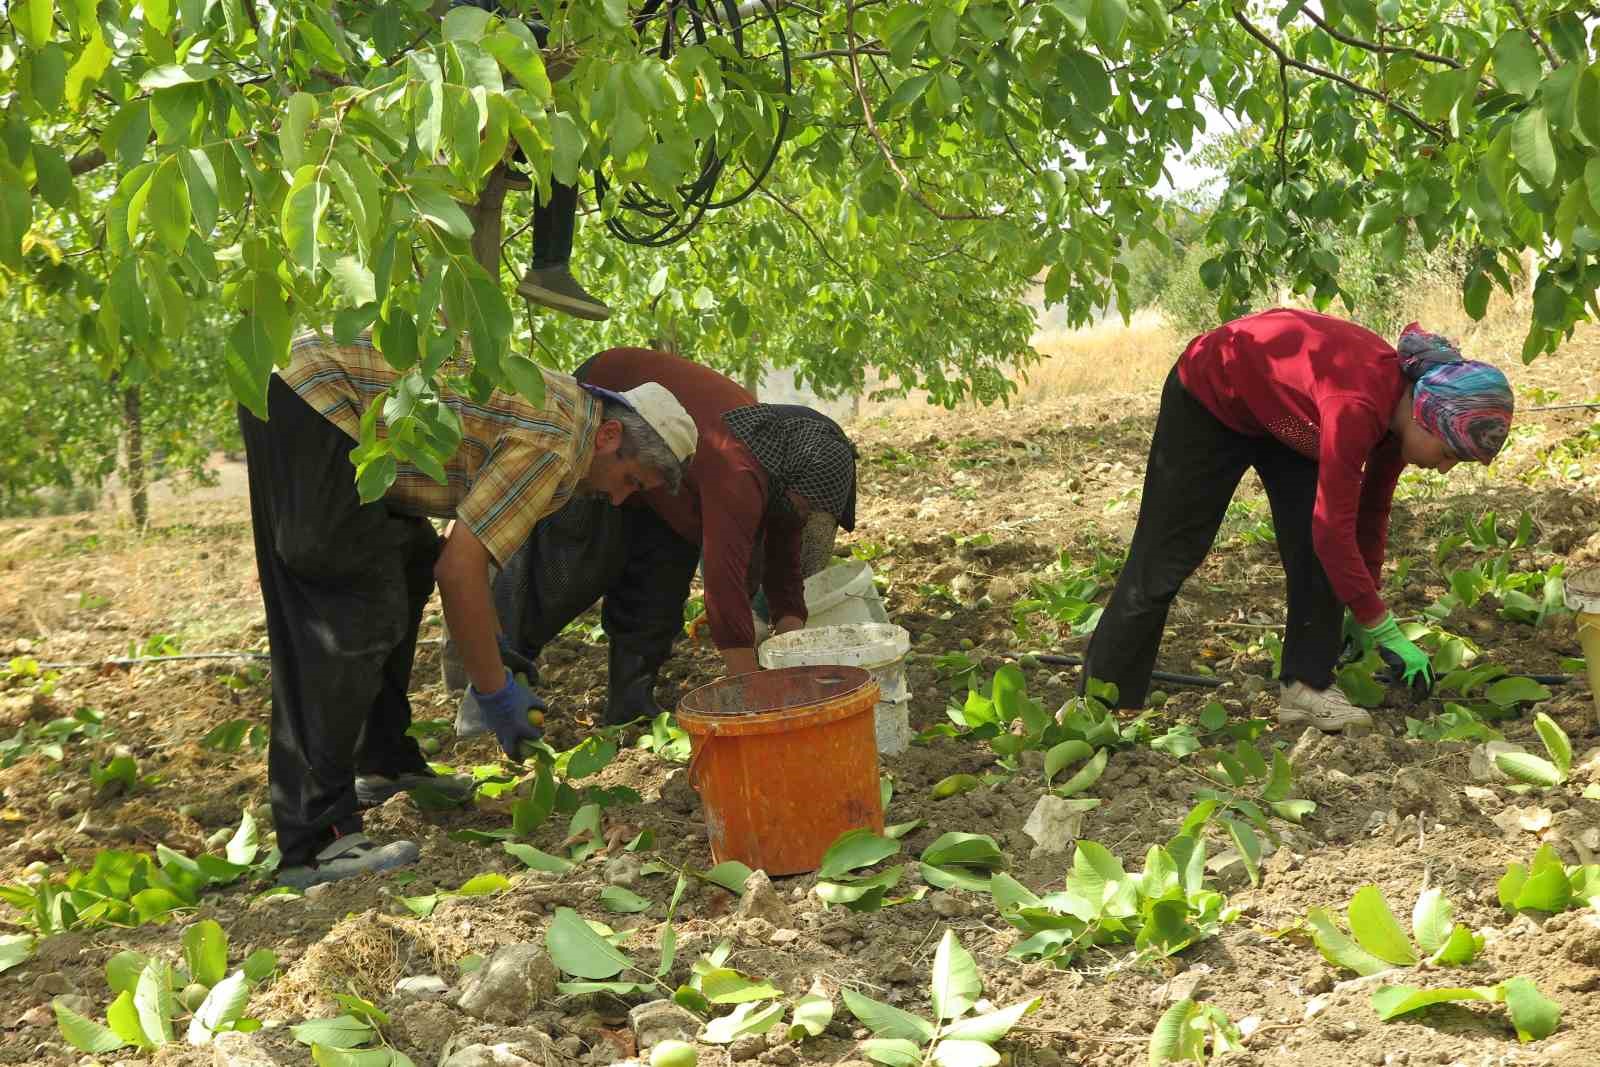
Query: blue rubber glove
x,y
505,712
1409,663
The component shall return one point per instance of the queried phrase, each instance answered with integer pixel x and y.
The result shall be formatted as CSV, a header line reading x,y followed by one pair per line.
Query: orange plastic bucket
x,y
785,761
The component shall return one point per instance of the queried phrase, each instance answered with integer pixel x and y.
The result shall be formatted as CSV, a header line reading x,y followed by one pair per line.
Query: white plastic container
x,y
880,648
843,594
1583,597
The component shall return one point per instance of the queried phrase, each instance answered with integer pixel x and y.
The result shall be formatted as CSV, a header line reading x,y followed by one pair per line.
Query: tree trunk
x,y
133,449
488,222
752,379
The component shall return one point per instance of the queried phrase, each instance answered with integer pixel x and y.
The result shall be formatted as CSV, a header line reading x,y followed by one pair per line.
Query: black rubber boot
x,y
630,688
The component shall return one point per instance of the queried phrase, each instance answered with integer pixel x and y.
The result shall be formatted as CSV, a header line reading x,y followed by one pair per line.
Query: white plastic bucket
x,y
880,648
842,594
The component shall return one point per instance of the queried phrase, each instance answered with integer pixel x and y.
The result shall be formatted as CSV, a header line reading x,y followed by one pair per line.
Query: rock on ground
x,y
1054,825
1419,791
232,1049
661,1020
761,901
509,984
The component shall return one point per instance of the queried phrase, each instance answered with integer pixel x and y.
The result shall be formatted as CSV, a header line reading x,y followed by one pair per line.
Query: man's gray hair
x,y
640,440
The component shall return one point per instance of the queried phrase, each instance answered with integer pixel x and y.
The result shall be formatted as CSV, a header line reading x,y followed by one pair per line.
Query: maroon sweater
x,y
725,475
1327,388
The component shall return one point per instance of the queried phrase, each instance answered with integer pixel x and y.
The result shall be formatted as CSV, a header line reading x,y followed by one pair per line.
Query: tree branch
x,y
84,162
1283,126
1374,46
1284,57
822,245
877,135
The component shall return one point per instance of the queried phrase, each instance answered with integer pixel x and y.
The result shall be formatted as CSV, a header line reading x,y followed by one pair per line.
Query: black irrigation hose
x,y
1199,681
676,223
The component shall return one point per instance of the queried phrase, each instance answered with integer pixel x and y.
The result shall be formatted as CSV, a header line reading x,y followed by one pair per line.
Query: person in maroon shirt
x,y
1328,413
759,473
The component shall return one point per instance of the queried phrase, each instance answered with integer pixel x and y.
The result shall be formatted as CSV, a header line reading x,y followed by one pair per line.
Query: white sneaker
x,y
347,857
1326,709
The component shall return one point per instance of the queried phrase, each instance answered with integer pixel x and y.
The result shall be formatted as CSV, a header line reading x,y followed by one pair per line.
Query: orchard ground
x,y
960,513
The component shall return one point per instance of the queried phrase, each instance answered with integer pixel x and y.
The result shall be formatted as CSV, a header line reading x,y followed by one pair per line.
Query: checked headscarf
x,y
1464,403
803,450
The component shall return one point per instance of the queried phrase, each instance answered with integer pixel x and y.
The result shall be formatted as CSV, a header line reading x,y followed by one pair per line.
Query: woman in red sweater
x,y
1328,413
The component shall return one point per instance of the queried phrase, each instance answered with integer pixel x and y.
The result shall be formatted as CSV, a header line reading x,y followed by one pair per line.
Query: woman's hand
x,y
1403,656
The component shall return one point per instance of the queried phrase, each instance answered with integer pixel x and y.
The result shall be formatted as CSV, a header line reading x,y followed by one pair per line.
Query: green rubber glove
x,y
1403,655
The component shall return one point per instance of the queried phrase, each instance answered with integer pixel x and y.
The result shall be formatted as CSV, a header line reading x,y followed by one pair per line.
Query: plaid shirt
x,y
516,463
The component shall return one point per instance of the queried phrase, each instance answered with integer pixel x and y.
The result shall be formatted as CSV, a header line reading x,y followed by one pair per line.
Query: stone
x,y
1583,941
661,1020
678,795
318,891
624,869
1420,791
233,1049
422,987
786,936
38,1015
1054,825
1525,819
509,984
1481,764
1318,980
761,901
747,1048
948,905
428,1025
503,1054
51,984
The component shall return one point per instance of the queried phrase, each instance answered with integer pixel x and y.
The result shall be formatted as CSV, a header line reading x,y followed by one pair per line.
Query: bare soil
x,y
960,512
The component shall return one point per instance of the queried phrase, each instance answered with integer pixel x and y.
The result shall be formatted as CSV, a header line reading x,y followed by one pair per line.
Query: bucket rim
x,y
859,699
892,639
1582,588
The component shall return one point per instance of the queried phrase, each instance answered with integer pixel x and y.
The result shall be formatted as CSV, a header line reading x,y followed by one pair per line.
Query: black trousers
x,y
344,584
1195,466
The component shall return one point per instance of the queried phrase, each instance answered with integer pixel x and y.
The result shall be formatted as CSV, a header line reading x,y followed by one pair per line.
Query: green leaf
x,y
153,1000
303,208
887,1021
1431,920
965,850
952,1053
853,850
298,112
1526,767
346,1031
1391,1002
165,77
892,1051
1459,949
1106,21
205,952
1546,889
223,1006
812,1014
577,950
623,901
1377,930
1515,690
1534,1015
745,1021
244,844
955,984
724,985
85,1034
537,860
1175,1038
123,1019
1087,776
34,20
123,970
729,874
260,964
1530,141
1249,846
1511,884
1516,63
484,885
15,949
1337,948
1555,741
861,894
436,207
990,1026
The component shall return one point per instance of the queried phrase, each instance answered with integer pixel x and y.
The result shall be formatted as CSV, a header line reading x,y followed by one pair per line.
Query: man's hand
x,y
506,711
788,624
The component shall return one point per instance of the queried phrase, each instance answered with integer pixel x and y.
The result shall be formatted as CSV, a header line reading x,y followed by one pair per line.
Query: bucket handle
x,y
694,760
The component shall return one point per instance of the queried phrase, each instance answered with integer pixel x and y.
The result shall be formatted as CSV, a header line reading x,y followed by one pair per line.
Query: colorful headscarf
x,y
1464,403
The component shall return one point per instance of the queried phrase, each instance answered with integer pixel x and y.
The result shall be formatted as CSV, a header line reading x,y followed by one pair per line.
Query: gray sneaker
x,y
374,789
347,857
556,288
1327,709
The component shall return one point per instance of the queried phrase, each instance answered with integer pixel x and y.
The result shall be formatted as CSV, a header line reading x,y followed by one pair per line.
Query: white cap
x,y
657,406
